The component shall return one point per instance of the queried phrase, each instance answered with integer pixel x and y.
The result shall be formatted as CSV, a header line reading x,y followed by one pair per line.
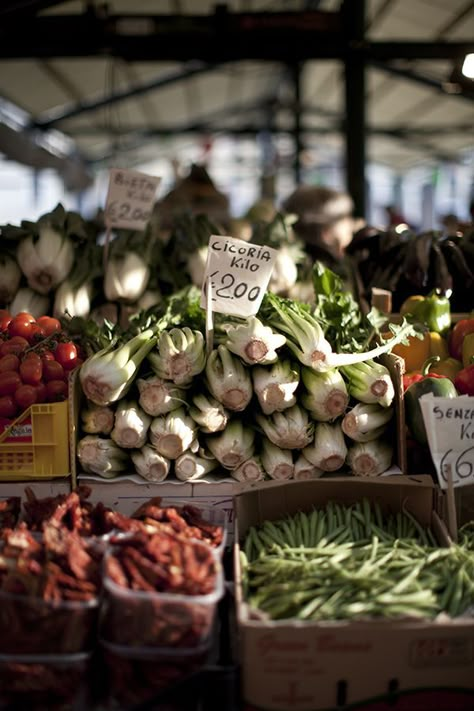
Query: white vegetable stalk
x,y
307,340
157,396
253,342
370,382
228,380
126,277
251,470
180,355
197,265
209,414
76,301
328,451
275,387
289,429
10,277
101,456
370,458
277,462
189,466
285,272
366,422
97,419
149,298
327,396
29,301
305,470
233,446
131,425
47,260
150,465
108,374
173,434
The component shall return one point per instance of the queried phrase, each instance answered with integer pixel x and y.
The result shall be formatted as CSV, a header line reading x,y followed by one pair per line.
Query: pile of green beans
x,y
351,562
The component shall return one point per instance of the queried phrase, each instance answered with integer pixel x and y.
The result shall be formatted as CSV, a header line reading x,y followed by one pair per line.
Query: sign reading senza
x,y
449,424
130,199
239,273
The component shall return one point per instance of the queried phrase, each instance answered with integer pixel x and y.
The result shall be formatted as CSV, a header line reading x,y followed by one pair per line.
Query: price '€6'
x,y
239,273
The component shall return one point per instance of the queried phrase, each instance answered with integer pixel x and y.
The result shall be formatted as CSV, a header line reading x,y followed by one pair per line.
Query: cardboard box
x,y
320,665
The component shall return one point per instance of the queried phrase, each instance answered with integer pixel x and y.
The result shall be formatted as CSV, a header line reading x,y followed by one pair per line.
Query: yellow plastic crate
x,y
36,445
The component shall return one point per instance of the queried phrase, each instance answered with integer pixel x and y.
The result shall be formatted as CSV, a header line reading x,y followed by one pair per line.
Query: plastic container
x,y
135,675
45,681
30,625
36,445
210,514
149,619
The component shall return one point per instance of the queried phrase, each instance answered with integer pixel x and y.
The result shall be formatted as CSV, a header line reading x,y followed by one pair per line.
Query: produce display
x,y
351,562
36,357
291,393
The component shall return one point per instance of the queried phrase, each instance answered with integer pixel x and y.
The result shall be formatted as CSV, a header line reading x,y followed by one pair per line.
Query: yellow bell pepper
x,y
419,350
468,349
449,367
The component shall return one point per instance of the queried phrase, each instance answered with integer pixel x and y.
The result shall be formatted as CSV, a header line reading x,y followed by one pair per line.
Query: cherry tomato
x,y
31,369
9,382
26,316
41,392
47,355
74,364
5,320
66,354
52,370
49,325
21,325
25,396
17,345
56,390
8,406
37,332
9,362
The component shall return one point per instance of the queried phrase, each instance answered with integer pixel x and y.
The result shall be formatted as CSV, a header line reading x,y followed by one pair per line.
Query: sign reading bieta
x,y
130,199
239,273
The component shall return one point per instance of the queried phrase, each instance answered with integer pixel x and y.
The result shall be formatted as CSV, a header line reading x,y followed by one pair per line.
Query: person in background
x,y
394,216
324,223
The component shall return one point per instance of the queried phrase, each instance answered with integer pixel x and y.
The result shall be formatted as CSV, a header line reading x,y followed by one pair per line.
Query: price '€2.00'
x,y
130,199
239,273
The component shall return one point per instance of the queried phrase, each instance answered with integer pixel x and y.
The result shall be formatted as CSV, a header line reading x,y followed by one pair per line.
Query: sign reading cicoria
x,y
239,273
449,424
130,199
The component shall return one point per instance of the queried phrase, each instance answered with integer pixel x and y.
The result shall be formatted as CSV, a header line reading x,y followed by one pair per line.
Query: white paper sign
x,y
449,424
239,273
130,199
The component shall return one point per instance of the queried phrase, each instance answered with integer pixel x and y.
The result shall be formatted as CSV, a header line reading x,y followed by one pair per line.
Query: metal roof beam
x,y
224,36
14,9
51,118
446,88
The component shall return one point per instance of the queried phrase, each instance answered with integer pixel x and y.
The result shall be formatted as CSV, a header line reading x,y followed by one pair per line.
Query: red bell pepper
x,y
464,381
456,337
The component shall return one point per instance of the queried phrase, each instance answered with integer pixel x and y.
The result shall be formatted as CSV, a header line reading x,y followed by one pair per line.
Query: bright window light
x,y
468,66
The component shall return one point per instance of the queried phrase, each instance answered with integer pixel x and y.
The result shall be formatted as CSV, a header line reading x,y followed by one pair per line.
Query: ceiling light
x,y
468,66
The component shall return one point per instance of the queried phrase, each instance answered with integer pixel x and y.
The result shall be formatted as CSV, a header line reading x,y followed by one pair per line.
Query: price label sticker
x,y
130,199
449,424
239,273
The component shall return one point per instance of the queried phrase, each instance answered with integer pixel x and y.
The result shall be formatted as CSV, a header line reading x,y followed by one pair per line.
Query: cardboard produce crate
x,y
306,666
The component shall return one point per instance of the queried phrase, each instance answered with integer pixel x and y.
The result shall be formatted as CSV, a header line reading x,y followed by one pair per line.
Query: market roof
x,y
121,78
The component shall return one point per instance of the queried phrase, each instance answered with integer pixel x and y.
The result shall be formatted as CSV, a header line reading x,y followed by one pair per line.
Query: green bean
x,y
313,522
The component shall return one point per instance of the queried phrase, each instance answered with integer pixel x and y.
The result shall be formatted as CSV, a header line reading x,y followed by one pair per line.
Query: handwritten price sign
x,y
449,426
238,273
130,199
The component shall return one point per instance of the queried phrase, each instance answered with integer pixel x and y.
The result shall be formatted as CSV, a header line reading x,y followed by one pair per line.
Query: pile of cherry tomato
x,y
36,358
